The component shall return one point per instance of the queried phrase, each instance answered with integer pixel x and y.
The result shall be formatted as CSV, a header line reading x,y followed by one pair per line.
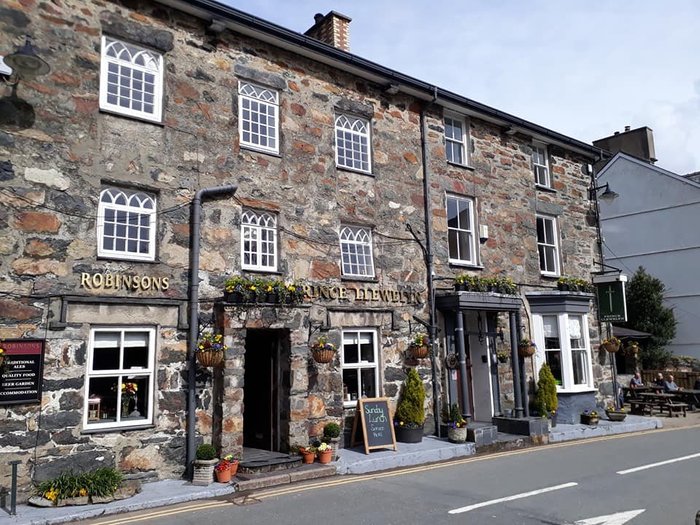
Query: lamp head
x,y
26,63
608,195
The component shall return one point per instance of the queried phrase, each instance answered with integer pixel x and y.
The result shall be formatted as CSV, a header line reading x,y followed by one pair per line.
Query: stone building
x,y
366,188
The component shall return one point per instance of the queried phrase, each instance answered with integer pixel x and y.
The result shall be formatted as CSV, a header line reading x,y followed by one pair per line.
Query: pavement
x,y
350,461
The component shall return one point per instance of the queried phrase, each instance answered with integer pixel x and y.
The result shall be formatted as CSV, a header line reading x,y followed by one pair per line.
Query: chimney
x,y
636,142
332,29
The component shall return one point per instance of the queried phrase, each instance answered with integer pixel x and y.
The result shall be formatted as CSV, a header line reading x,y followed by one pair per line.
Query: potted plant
x,y
589,417
237,289
615,414
546,401
204,463
632,348
308,454
573,284
322,350
502,355
211,349
456,425
526,347
331,432
419,347
611,344
226,468
324,452
410,413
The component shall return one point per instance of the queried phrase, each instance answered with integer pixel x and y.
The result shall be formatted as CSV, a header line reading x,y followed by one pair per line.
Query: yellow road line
x,y
198,505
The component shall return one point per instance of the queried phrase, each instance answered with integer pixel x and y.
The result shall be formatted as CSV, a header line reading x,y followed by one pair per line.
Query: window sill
x,y
353,170
253,149
133,117
120,428
545,188
261,270
463,166
346,278
550,276
582,390
468,266
129,259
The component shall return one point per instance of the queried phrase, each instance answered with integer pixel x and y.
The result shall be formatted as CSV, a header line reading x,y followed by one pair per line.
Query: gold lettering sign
x,y
364,294
116,281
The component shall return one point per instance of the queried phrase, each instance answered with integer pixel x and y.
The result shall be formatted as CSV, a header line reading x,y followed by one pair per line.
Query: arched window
x,y
352,143
131,80
126,225
356,251
257,117
259,241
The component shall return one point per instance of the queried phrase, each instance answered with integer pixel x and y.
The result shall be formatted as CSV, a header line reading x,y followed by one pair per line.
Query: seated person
x,y
659,381
636,381
670,385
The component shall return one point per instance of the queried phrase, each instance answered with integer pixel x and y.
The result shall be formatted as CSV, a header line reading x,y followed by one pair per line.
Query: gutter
x,y
195,223
279,36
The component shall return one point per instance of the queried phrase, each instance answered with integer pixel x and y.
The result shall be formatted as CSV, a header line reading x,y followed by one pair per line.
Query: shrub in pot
x,y
410,411
204,463
546,401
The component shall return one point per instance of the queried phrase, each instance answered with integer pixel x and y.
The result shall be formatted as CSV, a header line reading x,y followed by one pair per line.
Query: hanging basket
x,y
610,347
210,358
526,350
419,352
322,355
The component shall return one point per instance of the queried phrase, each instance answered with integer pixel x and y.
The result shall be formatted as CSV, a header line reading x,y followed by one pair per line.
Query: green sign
x,y
611,301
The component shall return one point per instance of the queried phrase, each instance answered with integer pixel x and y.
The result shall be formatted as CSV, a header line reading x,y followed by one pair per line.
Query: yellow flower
x,y
83,492
2,351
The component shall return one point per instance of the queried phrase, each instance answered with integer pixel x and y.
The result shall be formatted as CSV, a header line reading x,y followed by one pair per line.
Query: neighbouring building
x,y
651,224
370,190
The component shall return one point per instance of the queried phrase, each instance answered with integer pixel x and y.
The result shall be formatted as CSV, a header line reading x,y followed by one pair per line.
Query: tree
x,y
546,401
646,312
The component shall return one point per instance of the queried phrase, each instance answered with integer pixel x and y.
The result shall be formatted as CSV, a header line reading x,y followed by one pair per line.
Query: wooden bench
x,y
675,407
638,406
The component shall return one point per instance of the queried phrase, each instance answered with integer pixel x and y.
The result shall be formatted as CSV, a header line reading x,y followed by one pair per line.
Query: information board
x,y
373,423
22,372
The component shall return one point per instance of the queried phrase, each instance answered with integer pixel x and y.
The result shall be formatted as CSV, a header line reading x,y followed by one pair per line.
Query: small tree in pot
x,y
410,411
546,401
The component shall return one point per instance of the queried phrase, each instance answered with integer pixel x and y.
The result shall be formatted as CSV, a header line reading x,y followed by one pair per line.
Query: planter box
x,y
408,435
457,435
616,416
589,420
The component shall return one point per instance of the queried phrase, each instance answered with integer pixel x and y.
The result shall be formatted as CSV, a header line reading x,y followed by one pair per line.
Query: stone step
x,y
269,464
260,480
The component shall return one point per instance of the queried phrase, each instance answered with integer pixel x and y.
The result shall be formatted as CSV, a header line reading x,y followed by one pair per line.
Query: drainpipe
x,y
432,320
515,363
195,222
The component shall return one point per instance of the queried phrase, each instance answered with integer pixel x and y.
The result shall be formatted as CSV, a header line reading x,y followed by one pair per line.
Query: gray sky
x,y
584,68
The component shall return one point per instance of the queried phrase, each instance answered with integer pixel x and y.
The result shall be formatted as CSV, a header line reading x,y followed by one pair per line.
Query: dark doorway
x,y
266,390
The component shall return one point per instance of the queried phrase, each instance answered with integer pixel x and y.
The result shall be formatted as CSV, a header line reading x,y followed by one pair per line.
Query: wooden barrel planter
x,y
211,358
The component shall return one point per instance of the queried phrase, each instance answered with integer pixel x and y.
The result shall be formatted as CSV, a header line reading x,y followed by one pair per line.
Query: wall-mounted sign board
x,y
373,424
22,372
612,303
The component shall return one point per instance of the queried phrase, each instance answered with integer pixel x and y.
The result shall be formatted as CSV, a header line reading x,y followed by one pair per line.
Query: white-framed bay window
x,y
119,383
259,241
126,225
359,361
563,343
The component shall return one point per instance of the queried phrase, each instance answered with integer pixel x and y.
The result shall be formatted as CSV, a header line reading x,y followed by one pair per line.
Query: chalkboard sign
x,y
374,424
21,374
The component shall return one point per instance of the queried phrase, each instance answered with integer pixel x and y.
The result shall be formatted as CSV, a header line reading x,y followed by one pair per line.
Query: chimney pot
x,y
318,17
627,128
332,29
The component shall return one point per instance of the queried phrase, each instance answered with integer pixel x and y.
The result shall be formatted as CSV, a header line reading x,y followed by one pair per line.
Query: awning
x,y
628,333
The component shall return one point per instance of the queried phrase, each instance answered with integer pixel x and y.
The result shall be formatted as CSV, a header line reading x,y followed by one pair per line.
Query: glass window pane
x,y
103,392
580,366
368,382
554,362
105,359
350,383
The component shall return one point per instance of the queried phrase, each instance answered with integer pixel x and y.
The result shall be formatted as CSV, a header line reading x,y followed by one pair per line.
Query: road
x,y
639,479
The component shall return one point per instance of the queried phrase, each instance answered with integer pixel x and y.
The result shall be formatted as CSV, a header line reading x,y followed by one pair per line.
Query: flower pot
x,y
615,416
457,435
322,355
408,435
589,420
307,457
325,456
210,358
610,347
223,476
526,350
233,297
419,352
203,471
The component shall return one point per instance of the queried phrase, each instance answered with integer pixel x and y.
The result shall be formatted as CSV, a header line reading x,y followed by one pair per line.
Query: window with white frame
x,y
258,109
460,230
259,241
548,245
120,378
126,225
456,140
565,341
356,251
352,143
131,80
540,165
359,363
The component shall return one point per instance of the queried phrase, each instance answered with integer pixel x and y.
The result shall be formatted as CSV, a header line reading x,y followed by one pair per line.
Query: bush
x,y
546,401
410,409
331,430
205,452
101,482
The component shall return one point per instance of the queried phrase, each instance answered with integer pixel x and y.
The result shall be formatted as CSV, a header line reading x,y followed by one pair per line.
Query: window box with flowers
x,y
322,350
615,414
226,468
420,346
211,350
611,344
526,348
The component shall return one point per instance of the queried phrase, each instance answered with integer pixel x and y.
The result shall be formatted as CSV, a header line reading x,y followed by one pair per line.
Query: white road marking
x,y
511,498
660,463
612,519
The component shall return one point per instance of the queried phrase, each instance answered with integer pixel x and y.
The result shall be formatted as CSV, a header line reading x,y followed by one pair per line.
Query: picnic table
x,y
673,402
630,393
690,396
